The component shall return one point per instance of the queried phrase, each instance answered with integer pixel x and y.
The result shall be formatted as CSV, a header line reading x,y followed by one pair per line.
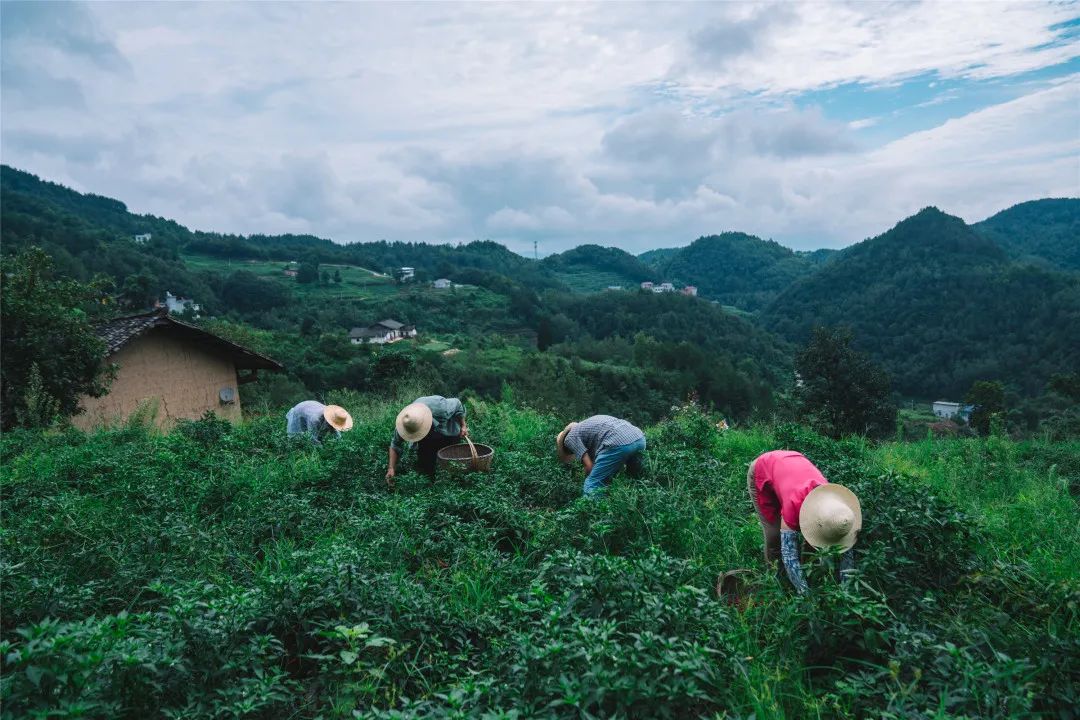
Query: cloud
x,y
46,51
634,125
716,44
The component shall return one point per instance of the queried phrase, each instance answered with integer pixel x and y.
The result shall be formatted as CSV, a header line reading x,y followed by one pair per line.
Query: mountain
x,y
941,306
734,268
590,268
655,258
1045,231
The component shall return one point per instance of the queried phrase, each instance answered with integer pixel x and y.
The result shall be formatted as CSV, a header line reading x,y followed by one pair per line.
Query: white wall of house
x,y
945,409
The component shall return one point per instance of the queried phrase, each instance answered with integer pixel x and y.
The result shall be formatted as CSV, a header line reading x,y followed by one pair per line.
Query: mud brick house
x,y
182,368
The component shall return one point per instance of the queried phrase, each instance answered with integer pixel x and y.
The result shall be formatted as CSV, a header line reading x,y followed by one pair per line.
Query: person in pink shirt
x,y
792,496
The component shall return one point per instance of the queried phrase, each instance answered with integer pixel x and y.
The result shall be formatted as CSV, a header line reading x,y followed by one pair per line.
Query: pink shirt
x,y
784,478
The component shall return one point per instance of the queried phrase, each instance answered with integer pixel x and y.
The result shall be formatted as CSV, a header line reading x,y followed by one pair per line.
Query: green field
x,y
221,571
587,280
356,282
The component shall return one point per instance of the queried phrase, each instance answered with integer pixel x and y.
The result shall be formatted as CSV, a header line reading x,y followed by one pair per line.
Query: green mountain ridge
x,y
1044,231
941,306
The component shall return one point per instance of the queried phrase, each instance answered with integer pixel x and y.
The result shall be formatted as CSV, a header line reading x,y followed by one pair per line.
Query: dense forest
x,y
734,268
941,306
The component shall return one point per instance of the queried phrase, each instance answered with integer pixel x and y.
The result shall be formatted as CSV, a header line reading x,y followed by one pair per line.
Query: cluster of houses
x,y
666,287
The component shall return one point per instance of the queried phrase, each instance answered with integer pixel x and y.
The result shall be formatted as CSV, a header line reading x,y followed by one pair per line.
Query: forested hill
x,y
1041,230
734,268
592,267
941,306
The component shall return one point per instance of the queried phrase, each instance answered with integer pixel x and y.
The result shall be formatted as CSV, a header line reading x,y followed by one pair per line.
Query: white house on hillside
x,y
381,333
177,305
442,283
143,238
947,410
646,285
663,288
406,273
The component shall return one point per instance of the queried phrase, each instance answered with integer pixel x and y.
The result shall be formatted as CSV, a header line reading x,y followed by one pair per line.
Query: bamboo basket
x,y
466,457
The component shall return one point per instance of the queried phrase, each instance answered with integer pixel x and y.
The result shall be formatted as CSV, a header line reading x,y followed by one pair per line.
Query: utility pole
x,y
536,253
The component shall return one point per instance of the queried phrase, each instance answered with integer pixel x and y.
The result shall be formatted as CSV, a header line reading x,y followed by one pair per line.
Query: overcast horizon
x,y
634,125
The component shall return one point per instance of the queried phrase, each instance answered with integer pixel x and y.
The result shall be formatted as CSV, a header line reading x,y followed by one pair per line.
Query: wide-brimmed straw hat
x,y
565,456
414,422
338,417
830,515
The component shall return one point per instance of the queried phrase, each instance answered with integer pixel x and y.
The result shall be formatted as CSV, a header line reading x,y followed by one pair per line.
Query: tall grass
x,y
222,571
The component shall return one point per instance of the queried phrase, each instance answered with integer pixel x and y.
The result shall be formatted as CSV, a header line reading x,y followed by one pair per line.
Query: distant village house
x,y
406,273
381,333
664,288
143,238
690,290
952,410
646,285
180,368
442,283
177,305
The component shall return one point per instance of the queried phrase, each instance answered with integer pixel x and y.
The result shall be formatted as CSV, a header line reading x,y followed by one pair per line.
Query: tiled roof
x,y
392,324
119,332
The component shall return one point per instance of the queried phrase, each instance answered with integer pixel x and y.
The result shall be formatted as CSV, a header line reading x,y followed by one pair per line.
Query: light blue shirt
x,y
307,417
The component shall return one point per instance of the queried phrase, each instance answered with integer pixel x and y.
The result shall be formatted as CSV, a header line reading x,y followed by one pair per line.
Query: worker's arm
x,y
847,565
390,471
790,549
587,462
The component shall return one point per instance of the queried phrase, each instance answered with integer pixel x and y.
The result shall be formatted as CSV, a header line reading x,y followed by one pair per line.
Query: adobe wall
x,y
182,376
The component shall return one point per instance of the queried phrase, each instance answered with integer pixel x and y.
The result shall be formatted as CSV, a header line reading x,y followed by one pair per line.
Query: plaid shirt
x,y
447,414
600,433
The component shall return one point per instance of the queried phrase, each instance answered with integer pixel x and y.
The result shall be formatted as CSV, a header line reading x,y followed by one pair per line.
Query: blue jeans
x,y
609,461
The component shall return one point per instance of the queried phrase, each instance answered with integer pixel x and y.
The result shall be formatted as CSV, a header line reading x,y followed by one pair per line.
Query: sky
x,y
627,124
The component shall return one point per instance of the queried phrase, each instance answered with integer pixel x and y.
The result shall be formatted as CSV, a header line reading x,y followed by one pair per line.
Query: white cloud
x,y
640,125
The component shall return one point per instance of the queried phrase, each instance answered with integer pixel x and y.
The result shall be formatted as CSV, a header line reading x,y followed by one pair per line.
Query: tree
x,y
308,271
51,354
840,390
325,277
247,292
988,397
337,276
544,334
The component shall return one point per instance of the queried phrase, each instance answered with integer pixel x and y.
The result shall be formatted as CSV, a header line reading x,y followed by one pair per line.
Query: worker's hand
x,y
390,478
464,430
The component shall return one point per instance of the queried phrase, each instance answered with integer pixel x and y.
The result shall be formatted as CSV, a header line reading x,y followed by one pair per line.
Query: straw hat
x,y
830,515
414,422
565,456
338,417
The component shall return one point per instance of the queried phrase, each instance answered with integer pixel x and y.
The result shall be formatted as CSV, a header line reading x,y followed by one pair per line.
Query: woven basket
x,y
734,586
466,457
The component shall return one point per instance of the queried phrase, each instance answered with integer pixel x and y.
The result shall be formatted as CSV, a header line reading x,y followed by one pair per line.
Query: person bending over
x,y
430,423
317,420
603,444
791,495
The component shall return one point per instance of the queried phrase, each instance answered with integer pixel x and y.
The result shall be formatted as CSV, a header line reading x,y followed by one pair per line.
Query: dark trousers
x,y
427,449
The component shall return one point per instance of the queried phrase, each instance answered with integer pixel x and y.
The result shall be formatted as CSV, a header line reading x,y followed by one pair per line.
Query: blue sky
x,y
629,124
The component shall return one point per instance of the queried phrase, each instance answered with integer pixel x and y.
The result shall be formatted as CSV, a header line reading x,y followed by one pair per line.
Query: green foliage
x,y
734,268
224,571
940,307
1043,231
988,399
51,355
839,390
